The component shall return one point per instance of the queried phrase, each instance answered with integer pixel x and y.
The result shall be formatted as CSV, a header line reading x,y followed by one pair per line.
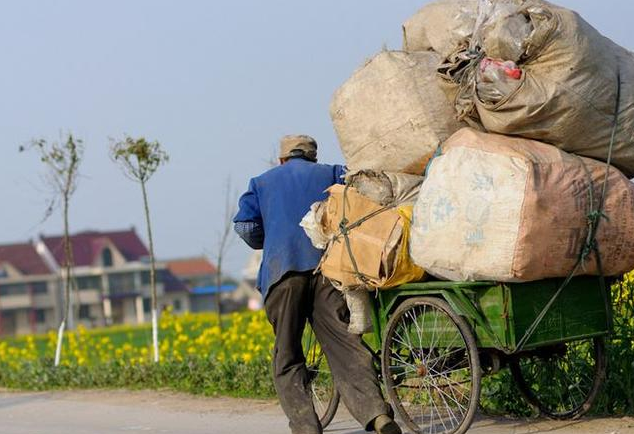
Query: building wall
x,y
29,304
178,301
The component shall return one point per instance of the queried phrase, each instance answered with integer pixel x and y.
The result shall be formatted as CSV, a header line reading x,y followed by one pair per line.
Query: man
x,y
268,218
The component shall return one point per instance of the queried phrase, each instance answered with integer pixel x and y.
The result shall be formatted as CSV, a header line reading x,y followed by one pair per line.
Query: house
x,y
200,276
29,291
112,271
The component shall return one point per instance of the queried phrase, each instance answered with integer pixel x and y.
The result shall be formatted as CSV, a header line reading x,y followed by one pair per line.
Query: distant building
x,y
200,277
29,294
113,277
112,272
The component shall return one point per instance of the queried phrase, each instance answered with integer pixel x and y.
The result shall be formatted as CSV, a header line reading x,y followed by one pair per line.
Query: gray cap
x,y
298,146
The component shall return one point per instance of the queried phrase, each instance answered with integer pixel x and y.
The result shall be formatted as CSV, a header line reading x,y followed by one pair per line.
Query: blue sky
x,y
216,82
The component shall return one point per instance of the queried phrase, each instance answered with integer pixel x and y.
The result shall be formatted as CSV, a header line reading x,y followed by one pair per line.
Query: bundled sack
x,y
566,93
391,114
509,209
440,26
378,245
386,188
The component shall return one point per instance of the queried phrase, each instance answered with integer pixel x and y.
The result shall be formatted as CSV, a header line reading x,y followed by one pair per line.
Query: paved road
x,y
151,412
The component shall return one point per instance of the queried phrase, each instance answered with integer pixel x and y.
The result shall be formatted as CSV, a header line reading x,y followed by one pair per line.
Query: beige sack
x,y
509,209
568,91
392,115
440,26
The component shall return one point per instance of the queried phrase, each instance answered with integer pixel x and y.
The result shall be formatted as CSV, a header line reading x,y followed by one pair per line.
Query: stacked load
x,y
529,191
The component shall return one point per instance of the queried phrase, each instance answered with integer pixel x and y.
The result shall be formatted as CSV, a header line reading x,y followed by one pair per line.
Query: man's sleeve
x,y
252,233
340,173
248,220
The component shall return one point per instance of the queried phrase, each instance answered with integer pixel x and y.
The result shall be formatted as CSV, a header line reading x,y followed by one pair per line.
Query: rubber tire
x,y
333,405
600,370
328,417
469,339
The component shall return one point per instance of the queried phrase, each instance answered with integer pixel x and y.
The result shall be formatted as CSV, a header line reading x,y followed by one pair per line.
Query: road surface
x,y
123,412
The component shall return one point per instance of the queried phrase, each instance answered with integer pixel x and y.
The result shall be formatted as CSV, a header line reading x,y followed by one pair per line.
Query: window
x,y
122,283
106,257
84,311
178,305
14,289
39,287
89,282
147,305
145,277
40,316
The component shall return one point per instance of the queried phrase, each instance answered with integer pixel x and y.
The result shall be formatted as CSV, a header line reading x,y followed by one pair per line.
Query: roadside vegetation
x,y
198,356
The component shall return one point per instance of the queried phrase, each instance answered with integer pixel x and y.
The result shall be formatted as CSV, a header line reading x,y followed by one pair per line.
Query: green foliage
x,y
62,160
139,158
195,375
60,157
618,393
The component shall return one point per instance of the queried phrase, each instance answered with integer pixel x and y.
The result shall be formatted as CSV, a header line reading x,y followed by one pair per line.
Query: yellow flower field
x,y
245,337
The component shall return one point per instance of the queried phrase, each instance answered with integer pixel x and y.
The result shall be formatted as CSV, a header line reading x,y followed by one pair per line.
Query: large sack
x,y
567,93
509,209
440,26
391,114
379,245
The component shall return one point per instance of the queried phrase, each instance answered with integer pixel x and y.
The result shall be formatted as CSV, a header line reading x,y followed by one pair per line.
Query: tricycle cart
x,y
434,341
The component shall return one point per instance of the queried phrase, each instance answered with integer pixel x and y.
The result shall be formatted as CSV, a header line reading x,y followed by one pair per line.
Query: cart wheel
x,y
562,381
325,395
431,367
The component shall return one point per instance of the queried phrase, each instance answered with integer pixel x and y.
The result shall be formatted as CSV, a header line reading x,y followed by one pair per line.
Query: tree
x,y
62,160
225,238
139,160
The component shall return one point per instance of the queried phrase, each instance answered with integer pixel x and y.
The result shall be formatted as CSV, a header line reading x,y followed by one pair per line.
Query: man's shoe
x,y
384,424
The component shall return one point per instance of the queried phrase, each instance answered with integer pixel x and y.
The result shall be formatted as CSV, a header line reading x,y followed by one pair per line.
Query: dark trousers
x,y
301,297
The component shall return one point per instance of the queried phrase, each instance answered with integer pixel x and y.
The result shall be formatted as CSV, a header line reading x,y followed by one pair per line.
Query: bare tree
x,y
62,161
139,160
225,238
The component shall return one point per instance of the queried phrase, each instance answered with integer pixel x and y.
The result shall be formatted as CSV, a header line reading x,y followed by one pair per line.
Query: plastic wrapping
x,y
497,79
312,224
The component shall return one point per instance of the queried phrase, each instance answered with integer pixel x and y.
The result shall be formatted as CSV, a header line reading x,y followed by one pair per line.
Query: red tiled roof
x,y
87,246
24,258
191,267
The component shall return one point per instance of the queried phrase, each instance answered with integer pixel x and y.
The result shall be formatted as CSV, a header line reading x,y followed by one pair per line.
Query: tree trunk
x,y
67,278
155,342
218,295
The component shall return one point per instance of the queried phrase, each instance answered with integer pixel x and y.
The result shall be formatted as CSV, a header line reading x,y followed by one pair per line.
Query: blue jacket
x,y
273,207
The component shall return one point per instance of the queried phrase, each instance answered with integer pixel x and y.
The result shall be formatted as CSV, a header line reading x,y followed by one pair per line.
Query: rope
x,y
345,228
594,219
